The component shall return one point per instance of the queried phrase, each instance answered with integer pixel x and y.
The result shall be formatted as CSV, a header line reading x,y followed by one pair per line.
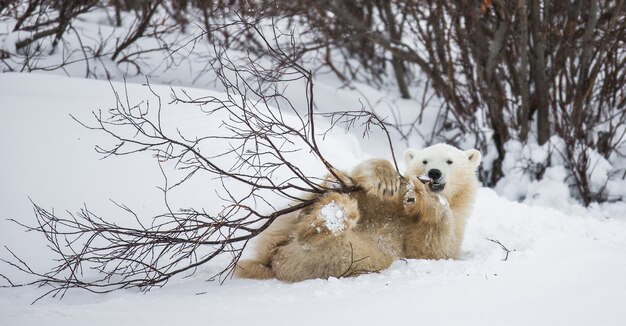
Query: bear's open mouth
x,y
437,187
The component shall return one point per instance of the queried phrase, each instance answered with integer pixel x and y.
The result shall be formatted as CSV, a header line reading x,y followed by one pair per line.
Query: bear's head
x,y
451,170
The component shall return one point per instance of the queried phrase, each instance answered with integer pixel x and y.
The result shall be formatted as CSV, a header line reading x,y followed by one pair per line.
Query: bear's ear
x,y
474,157
409,155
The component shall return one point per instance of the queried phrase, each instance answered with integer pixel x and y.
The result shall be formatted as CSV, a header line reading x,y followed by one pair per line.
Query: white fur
x,y
459,177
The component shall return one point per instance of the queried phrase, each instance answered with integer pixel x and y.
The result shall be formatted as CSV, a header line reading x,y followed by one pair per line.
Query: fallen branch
x,y
507,251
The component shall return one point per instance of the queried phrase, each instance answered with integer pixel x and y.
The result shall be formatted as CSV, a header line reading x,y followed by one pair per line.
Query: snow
x,y
566,263
442,200
566,266
333,216
7,41
522,164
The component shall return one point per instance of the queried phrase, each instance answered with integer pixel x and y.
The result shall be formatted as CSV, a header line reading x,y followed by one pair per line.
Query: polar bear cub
x,y
421,214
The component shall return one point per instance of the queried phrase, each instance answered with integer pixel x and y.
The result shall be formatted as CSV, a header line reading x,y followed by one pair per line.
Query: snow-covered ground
x,y
567,263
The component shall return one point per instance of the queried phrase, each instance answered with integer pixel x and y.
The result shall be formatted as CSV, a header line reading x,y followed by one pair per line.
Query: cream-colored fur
x,y
460,179
391,218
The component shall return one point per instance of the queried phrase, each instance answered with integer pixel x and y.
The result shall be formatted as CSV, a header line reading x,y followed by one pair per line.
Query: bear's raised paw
x,y
378,178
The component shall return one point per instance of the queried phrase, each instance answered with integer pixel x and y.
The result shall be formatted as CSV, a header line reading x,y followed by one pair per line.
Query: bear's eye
x,y
425,162
449,162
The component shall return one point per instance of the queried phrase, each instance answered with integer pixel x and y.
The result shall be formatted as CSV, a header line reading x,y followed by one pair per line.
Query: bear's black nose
x,y
434,174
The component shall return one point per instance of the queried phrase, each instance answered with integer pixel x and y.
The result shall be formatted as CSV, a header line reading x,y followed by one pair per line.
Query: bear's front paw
x,y
417,192
378,178
414,191
331,180
333,214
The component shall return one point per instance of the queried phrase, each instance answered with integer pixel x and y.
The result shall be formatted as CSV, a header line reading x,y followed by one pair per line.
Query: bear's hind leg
x,y
253,269
278,234
327,245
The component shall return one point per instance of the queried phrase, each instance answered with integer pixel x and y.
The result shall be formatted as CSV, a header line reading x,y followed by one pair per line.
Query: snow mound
x,y
565,267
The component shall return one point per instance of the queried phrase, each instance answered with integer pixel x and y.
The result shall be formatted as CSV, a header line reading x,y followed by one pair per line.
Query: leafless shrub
x,y
523,70
255,119
539,69
46,22
46,38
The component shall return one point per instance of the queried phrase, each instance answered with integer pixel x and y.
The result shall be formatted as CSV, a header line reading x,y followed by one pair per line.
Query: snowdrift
x,y
564,265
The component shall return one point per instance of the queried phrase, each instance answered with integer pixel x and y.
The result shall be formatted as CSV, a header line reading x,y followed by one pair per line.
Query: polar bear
x,y
421,214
